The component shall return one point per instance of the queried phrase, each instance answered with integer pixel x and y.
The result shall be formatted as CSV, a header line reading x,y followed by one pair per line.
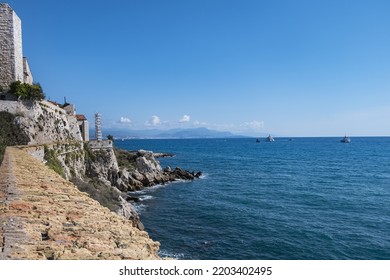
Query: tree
x,y
26,91
110,137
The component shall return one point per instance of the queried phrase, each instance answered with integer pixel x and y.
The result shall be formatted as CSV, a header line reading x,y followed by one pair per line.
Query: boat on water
x,y
257,140
345,139
270,138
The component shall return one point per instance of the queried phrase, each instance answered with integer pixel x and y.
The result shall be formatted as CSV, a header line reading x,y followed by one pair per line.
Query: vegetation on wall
x,y
26,91
126,159
10,133
52,161
89,155
106,196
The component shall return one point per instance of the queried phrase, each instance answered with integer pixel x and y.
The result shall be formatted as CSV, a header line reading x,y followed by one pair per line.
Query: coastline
x,y
102,164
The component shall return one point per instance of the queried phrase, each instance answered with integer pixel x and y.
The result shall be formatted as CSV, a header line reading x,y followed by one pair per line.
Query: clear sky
x,y
292,68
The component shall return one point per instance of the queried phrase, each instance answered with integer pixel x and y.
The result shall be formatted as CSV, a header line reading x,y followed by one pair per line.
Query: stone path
x,y
43,216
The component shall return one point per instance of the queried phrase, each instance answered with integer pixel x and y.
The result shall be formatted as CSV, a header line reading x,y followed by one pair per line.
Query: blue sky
x,y
292,68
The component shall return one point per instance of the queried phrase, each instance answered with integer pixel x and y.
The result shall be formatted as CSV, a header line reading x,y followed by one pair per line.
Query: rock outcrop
x,y
143,170
102,166
43,216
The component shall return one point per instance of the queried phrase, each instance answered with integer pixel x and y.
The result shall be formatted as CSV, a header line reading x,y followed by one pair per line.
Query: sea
x,y
292,199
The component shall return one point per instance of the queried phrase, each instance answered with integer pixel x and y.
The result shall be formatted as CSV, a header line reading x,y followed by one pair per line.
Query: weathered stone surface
x,y
43,216
146,163
137,176
104,167
128,211
148,172
43,122
11,54
162,155
127,181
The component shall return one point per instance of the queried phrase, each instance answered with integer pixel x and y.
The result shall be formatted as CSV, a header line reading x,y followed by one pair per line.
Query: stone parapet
x,y
103,144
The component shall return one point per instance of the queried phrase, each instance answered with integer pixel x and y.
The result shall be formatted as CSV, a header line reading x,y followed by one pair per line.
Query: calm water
x,y
311,198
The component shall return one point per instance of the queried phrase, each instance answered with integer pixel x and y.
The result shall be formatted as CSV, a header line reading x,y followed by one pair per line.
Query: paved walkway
x,y
43,216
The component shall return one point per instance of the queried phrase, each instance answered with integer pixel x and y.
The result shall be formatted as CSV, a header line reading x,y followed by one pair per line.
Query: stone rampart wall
x,y
43,216
13,107
61,149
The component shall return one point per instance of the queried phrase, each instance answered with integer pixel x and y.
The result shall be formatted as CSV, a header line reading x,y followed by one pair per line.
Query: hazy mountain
x,y
201,132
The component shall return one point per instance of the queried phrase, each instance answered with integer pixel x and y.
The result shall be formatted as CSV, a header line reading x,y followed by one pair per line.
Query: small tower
x,y
98,127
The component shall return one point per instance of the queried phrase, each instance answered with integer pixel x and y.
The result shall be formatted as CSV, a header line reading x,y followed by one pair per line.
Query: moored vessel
x,y
270,138
345,139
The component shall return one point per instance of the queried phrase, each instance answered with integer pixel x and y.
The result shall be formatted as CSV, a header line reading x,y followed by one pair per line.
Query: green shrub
x,y
27,91
52,161
88,153
126,159
105,195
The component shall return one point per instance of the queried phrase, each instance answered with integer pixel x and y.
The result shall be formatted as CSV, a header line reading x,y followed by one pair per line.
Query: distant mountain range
x,y
178,133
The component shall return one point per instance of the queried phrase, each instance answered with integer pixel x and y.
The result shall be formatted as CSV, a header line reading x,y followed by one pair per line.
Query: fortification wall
x,y
70,155
98,145
13,107
61,149
43,216
43,122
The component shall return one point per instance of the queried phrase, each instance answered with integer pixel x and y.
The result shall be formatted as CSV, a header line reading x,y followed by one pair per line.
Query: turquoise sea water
x,y
311,198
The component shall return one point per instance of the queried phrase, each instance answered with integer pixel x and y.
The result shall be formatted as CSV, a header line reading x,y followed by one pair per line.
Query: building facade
x,y
13,66
83,126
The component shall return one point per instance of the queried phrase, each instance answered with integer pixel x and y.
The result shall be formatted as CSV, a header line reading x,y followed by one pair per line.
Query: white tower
x,y
98,127
13,67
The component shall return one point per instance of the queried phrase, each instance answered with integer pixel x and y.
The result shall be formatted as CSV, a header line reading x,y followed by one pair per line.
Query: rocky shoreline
x,y
95,232
105,174
143,170
111,176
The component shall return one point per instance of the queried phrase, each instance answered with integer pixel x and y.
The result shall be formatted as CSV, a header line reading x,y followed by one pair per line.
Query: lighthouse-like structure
x,y
98,143
98,127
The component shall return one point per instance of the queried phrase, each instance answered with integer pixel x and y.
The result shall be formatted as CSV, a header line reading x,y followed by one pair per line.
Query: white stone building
x,y
13,66
83,126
